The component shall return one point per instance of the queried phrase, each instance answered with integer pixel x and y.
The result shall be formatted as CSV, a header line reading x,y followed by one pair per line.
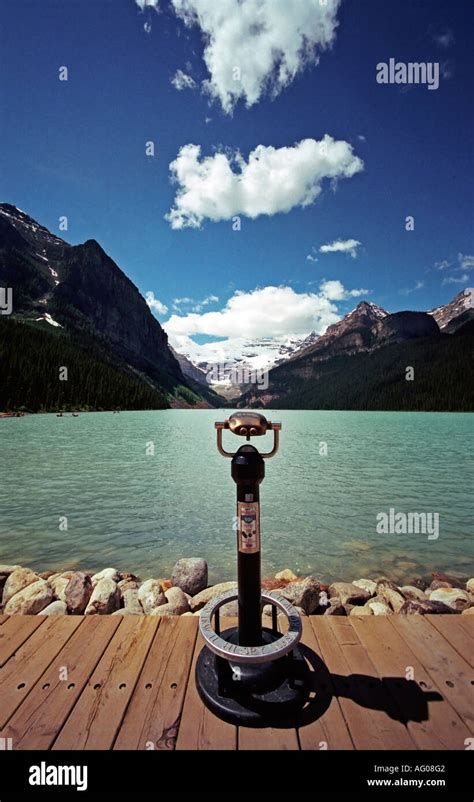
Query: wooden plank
x,y
38,720
432,723
267,738
466,623
451,628
369,689
15,631
30,661
329,729
199,728
96,718
153,715
365,725
445,665
3,618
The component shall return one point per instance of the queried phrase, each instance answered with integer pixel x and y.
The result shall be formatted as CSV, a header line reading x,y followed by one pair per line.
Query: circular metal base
x,y
258,695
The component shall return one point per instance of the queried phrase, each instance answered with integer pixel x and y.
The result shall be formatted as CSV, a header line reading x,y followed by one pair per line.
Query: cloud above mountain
x,y
252,324
258,47
273,180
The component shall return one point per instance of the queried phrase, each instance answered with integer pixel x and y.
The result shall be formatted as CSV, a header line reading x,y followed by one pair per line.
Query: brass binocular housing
x,y
248,424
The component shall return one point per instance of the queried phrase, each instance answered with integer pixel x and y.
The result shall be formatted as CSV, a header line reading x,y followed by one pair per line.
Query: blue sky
x,y
77,148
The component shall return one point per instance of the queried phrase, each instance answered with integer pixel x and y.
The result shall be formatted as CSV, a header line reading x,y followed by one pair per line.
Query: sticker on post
x,y
248,533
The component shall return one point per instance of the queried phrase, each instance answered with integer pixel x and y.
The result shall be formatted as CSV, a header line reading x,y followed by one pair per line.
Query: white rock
x,y
366,584
151,595
177,599
379,607
31,600
17,580
455,598
107,573
57,607
105,598
59,585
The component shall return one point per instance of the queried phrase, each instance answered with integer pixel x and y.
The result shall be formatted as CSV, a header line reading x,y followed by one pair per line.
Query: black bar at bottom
x,y
221,776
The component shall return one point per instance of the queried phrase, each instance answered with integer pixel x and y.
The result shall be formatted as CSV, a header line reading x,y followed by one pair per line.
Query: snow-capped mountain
x,y
463,301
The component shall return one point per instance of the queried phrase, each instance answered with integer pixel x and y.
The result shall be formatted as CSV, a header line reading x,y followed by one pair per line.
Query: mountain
x,y
461,303
361,363
81,293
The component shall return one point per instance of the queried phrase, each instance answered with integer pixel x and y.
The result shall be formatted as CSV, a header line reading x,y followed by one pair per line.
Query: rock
x,y
469,584
105,598
323,601
389,593
410,592
6,570
33,598
127,611
438,583
202,598
424,607
364,610
379,606
335,608
303,594
131,601
78,592
366,584
455,598
59,585
190,574
286,575
151,595
468,611
178,600
127,584
107,573
166,584
17,580
57,607
273,584
125,576
419,583
348,593
231,609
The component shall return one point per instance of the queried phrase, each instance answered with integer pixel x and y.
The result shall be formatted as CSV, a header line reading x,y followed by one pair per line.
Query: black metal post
x,y
248,471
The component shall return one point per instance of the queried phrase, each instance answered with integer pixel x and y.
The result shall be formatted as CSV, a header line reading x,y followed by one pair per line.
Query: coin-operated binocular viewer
x,y
250,675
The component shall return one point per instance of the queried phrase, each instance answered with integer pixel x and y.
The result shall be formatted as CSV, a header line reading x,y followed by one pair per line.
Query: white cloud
x,y
182,81
453,280
334,290
466,261
269,41
273,180
342,246
253,324
361,137
142,4
408,290
155,304
443,265
209,299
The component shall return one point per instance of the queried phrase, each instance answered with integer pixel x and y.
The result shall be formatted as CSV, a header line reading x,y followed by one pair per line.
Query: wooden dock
x,y
113,682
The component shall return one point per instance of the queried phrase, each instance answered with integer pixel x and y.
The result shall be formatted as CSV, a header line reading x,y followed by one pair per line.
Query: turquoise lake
x,y
141,512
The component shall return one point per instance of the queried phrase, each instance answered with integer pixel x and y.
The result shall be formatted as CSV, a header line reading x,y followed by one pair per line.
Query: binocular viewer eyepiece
x,y
248,424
